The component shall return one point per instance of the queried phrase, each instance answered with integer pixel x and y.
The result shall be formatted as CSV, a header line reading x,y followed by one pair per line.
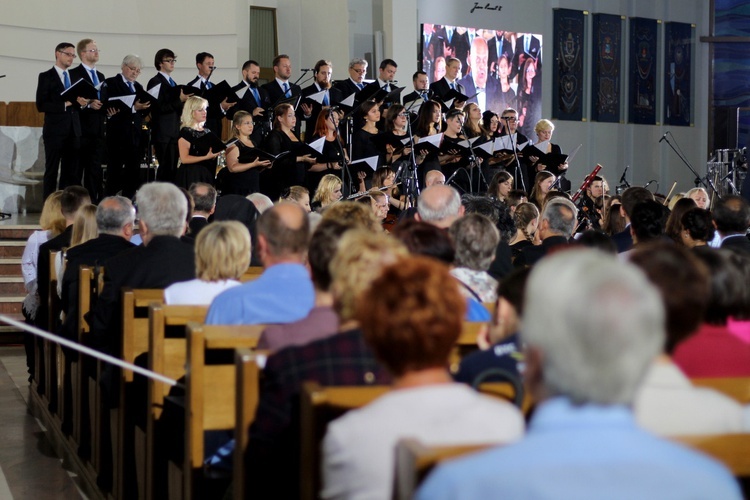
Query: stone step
x,y
17,231
11,303
10,266
12,248
12,285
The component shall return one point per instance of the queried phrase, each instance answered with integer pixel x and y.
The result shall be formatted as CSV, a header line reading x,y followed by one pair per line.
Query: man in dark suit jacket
x,y
282,88
478,79
421,88
62,126
558,221
165,114
442,87
204,199
322,82
355,82
92,122
731,217
527,45
254,101
124,145
630,198
162,260
217,110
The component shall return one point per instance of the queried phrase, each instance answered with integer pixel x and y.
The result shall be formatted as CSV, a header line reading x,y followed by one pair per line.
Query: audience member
x,y
696,228
283,293
673,228
204,199
630,198
440,206
732,218
84,229
222,255
475,238
582,441
411,318
558,221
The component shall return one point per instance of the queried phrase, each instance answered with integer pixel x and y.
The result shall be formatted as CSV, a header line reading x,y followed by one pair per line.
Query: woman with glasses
x,y
242,173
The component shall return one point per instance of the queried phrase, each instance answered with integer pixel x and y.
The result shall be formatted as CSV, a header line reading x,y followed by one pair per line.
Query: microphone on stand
x,y
452,176
664,137
306,69
622,179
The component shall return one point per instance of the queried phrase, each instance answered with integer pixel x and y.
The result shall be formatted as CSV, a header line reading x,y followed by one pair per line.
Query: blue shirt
x,y
583,452
475,311
282,294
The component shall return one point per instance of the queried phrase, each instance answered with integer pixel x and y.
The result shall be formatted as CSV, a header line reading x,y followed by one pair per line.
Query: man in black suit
x,y
216,109
282,88
124,145
255,101
204,198
322,82
630,198
527,45
92,122
165,114
162,260
731,216
487,90
442,87
353,84
421,88
62,126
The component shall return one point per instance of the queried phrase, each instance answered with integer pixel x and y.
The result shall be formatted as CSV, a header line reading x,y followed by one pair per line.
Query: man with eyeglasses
x,y
92,122
254,101
165,114
355,82
509,124
62,126
125,148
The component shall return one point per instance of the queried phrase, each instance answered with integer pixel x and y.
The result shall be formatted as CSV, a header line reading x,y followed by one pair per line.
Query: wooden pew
x,y
53,357
737,388
209,395
505,390
466,343
414,460
319,406
248,366
134,343
251,273
167,356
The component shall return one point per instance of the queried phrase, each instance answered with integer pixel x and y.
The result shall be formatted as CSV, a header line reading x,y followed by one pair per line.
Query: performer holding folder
x,y
244,162
544,155
198,145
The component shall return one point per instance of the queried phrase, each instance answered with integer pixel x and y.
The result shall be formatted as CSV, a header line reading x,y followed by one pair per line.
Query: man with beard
x,y
311,108
254,100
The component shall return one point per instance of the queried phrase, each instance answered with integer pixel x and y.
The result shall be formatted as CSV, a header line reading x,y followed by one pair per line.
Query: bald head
x,y
439,205
478,61
433,178
283,233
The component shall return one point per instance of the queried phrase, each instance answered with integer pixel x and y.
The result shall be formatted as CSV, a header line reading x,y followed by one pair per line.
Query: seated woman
x,y
197,158
222,255
84,229
526,218
500,186
411,317
298,195
542,185
697,228
328,192
673,228
239,177
475,238
385,177
699,196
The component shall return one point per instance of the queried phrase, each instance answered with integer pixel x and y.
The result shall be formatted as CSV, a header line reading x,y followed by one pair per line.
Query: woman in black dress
x,y
330,161
197,159
363,145
242,174
289,170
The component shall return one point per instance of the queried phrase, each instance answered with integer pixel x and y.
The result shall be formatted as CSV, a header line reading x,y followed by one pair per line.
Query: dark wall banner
x,y
642,105
606,83
678,71
567,87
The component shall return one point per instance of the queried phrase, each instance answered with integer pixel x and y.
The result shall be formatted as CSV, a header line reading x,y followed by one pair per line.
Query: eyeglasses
x,y
510,118
169,60
69,54
92,51
403,114
134,70
360,71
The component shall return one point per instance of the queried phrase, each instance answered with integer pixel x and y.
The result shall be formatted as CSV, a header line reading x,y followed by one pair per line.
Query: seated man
x,y
411,317
557,224
272,456
591,333
667,403
284,292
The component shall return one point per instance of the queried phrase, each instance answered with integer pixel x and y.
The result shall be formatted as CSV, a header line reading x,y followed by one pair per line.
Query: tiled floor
x,y
29,469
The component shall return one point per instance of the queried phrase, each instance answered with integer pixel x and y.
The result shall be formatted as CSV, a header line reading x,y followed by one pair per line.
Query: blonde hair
x,y
222,251
359,260
544,124
52,219
193,103
295,194
326,186
84,226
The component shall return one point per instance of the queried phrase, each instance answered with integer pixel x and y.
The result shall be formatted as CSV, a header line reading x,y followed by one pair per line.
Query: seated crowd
x,y
606,343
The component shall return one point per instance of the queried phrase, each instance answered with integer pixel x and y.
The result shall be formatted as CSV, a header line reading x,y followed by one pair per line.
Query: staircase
x,y
13,235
